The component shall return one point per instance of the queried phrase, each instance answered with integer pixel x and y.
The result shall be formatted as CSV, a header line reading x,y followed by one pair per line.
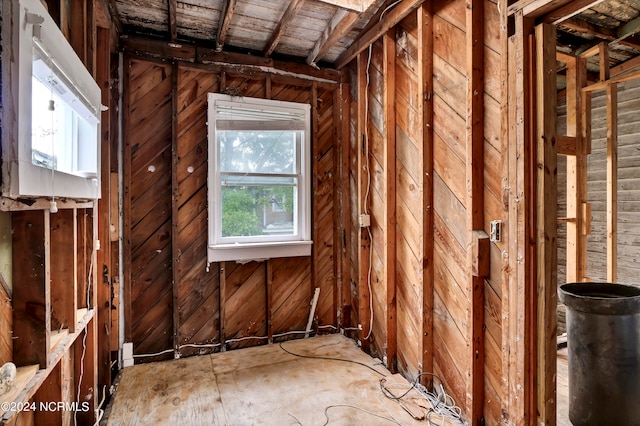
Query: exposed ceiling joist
x,y
392,17
535,8
629,29
173,25
223,29
277,34
355,5
631,39
567,11
341,23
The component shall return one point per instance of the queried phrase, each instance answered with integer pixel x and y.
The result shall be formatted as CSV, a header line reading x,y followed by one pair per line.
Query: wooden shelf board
x,y
34,380
8,204
24,375
56,337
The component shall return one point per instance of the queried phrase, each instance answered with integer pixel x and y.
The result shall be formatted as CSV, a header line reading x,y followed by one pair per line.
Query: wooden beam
x,y
619,78
107,213
629,29
339,26
176,250
246,64
612,183
355,5
173,21
389,165
474,42
343,119
567,11
393,16
519,325
625,66
364,241
566,145
223,29
576,24
535,8
285,21
547,209
576,169
605,71
223,304
425,115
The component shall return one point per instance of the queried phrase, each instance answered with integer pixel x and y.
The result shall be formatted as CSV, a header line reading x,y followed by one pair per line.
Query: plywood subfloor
x,y
262,386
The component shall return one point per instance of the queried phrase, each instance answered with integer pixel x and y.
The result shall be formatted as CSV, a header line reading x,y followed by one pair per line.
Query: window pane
x,y
63,131
258,210
258,151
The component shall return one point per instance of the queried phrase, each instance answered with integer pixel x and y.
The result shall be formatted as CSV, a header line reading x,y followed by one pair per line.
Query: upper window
x,y
51,110
259,186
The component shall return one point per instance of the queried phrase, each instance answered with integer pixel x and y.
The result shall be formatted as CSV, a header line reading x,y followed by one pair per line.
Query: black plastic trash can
x,y
603,338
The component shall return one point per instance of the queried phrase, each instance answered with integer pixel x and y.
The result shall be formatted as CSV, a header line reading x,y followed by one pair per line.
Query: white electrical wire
x,y
84,350
366,195
235,340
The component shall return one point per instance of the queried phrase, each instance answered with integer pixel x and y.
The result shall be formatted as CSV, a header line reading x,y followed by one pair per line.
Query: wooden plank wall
x,y
174,299
450,287
628,186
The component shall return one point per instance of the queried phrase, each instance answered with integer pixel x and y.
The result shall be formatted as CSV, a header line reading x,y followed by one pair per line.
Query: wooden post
x,y
175,207
106,205
517,313
389,160
268,267
612,182
344,278
577,102
475,201
364,242
546,194
425,86
223,300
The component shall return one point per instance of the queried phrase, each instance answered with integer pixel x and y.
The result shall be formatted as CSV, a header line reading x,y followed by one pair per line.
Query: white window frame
x,y
244,249
27,24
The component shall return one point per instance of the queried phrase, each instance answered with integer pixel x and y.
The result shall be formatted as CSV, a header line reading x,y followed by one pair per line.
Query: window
x,y
64,130
259,186
51,119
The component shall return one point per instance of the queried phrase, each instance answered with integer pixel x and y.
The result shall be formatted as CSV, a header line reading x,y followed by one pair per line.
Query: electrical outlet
x,y
495,234
364,220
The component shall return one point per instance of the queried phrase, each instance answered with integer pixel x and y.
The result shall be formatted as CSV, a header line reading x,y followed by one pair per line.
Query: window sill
x,y
257,251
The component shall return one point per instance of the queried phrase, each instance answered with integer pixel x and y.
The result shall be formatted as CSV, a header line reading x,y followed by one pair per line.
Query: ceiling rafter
x,y
173,22
393,16
277,34
567,11
341,23
225,22
630,39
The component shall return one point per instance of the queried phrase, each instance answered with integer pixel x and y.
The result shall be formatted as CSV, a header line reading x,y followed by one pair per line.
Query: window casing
x,y
259,183
51,110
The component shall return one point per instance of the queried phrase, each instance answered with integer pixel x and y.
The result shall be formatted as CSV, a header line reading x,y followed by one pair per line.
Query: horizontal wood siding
x,y
628,187
258,299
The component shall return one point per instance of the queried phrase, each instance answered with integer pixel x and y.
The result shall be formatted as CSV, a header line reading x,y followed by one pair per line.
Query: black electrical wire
x,y
332,359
